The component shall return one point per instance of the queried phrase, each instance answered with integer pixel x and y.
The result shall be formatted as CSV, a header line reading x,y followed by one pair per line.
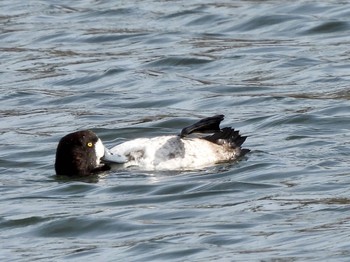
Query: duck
x,y
202,144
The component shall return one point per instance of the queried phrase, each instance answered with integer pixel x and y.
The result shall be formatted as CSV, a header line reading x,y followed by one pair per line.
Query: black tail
x,y
227,135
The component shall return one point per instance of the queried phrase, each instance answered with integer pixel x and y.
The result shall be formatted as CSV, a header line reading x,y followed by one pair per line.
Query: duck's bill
x,y
114,158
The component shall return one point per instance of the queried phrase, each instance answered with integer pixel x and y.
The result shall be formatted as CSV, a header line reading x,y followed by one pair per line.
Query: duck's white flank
x,y
174,153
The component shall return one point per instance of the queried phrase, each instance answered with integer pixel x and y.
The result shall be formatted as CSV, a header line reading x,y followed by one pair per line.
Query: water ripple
x,y
278,71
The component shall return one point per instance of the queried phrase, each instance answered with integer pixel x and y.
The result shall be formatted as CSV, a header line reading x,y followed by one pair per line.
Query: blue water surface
x,y
279,71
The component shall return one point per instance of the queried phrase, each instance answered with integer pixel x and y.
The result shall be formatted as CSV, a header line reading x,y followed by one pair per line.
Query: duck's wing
x,y
206,125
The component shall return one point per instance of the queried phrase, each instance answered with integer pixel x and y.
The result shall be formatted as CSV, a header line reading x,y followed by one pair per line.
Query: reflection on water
x,y
279,72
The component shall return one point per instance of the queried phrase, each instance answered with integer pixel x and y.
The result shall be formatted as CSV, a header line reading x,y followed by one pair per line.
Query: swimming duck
x,y
82,153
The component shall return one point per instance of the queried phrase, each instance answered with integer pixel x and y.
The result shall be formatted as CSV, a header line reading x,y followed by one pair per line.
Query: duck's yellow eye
x,y
89,144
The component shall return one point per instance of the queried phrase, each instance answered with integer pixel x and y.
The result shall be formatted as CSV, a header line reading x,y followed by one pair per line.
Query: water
x,y
125,69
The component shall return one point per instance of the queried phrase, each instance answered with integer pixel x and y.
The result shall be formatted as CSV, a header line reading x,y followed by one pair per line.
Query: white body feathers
x,y
174,153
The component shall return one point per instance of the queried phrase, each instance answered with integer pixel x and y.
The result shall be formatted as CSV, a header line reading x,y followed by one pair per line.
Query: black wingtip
x,y
226,135
206,125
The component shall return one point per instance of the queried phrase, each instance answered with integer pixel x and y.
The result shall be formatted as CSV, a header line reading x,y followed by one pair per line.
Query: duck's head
x,y
82,153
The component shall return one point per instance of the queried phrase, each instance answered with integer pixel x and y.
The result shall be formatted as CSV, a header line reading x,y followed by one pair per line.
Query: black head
x,y
79,154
